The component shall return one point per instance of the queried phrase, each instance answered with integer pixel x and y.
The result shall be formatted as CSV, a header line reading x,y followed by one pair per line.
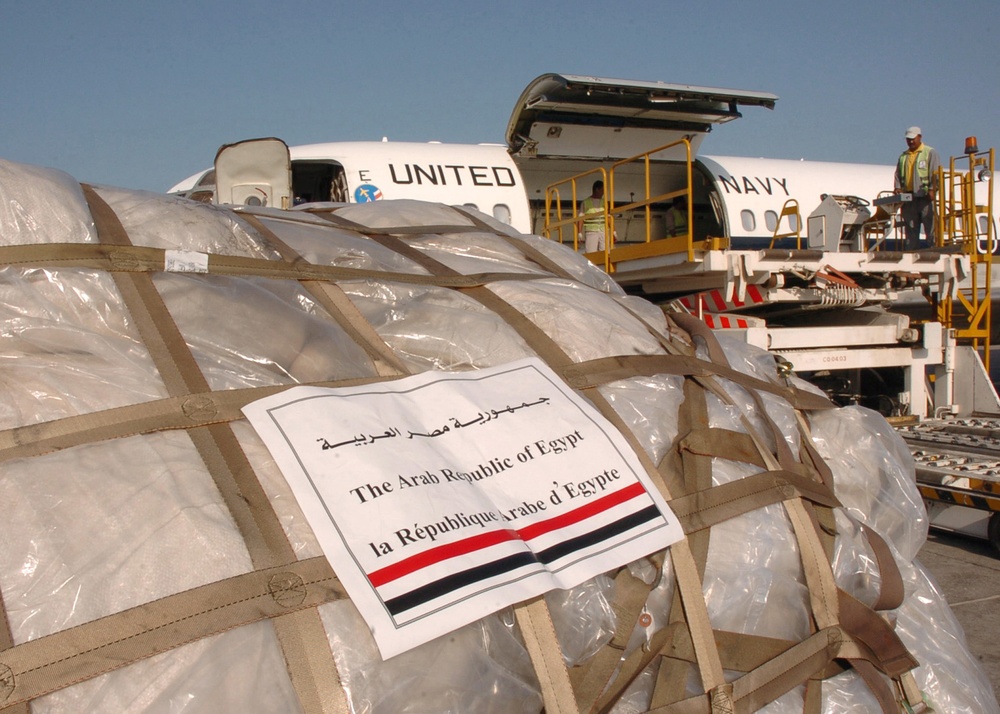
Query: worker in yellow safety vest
x,y
593,227
677,217
917,173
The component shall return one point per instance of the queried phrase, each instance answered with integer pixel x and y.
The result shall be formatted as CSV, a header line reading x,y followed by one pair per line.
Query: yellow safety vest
x,y
680,221
590,206
915,164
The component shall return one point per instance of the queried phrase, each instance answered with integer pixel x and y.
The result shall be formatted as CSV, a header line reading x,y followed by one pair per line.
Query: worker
x,y
593,227
917,173
677,217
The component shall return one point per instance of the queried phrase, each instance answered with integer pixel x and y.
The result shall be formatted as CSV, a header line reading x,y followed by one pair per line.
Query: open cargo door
x,y
565,115
255,172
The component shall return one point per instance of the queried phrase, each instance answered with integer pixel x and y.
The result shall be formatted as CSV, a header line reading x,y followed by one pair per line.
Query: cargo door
x,y
256,172
571,116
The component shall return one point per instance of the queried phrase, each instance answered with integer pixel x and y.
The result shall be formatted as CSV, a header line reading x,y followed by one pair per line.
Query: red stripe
x,y
720,304
441,552
583,512
485,540
725,321
742,323
707,319
736,301
754,293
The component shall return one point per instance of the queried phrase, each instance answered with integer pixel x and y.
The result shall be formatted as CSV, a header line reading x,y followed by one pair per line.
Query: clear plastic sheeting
x,y
42,206
237,671
482,667
86,532
97,528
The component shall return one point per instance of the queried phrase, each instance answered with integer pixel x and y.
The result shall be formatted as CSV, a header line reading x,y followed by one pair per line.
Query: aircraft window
x,y
748,219
207,179
770,220
501,212
983,225
793,222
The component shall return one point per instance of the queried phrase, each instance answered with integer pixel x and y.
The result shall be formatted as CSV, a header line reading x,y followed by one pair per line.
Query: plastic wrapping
x,y
94,529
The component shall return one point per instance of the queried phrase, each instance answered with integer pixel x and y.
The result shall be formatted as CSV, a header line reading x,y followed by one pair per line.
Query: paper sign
x,y
443,497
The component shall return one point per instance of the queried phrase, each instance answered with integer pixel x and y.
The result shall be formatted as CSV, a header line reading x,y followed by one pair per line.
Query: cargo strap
x,y
141,259
59,660
223,457
332,297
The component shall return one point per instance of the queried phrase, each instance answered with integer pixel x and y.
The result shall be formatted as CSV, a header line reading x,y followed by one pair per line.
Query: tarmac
x,y
967,571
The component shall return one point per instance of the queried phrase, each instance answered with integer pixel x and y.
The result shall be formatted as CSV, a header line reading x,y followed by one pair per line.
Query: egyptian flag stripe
x,y
450,583
485,540
603,503
442,552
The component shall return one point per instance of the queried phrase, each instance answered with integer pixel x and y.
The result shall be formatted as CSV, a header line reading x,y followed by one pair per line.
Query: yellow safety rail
x,y
965,224
558,218
566,215
789,210
662,245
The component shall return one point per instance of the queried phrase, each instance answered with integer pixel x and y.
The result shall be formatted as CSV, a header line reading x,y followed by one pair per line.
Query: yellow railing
x,y
566,215
957,218
664,244
789,210
560,215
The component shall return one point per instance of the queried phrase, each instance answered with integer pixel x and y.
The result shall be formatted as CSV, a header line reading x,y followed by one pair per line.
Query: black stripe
x,y
561,550
443,586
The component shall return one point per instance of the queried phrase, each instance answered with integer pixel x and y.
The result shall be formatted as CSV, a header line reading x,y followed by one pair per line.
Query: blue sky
x,y
142,94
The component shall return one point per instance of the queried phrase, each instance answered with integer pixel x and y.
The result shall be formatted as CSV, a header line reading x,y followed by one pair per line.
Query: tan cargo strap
x,y
310,662
609,369
634,665
546,655
217,445
891,591
742,652
341,309
141,259
184,412
697,328
723,444
768,681
877,685
56,661
592,678
711,506
330,214
872,630
521,244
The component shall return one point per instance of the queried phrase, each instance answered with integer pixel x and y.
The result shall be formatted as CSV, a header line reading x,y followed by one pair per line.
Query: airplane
x,y
575,126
